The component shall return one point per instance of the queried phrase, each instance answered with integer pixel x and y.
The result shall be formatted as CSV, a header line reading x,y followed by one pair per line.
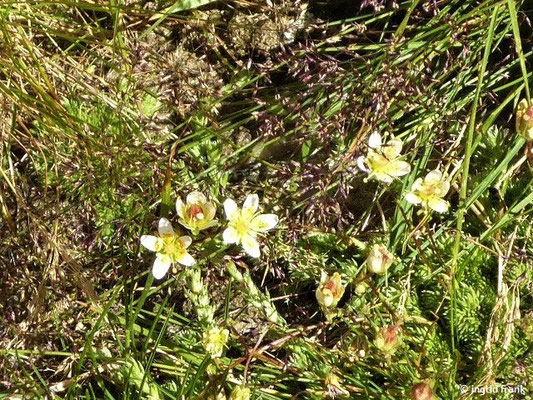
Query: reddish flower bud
x,y
421,391
388,339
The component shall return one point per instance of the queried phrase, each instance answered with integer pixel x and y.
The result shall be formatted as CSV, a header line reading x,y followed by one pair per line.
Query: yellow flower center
x,y
173,247
377,162
428,191
217,339
241,222
214,341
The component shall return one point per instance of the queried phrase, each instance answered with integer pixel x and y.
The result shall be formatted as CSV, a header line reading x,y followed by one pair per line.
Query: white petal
x,y
150,242
374,141
413,198
161,266
210,211
210,224
251,202
398,168
439,205
196,198
434,176
361,163
180,208
185,241
186,260
230,207
323,277
444,188
183,222
417,184
230,235
264,222
392,149
382,177
165,227
251,246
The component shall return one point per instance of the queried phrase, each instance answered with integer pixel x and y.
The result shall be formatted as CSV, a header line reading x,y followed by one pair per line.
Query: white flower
x,y
383,160
197,213
246,223
429,192
169,247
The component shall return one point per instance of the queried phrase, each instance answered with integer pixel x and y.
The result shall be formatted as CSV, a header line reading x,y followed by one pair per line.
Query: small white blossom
x,y
197,213
246,223
169,248
430,191
382,161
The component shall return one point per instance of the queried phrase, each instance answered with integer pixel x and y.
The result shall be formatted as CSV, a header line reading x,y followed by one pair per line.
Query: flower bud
x,y
379,259
387,339
361,288
421,391
330,290
240,393
234,272
524,120
214,341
